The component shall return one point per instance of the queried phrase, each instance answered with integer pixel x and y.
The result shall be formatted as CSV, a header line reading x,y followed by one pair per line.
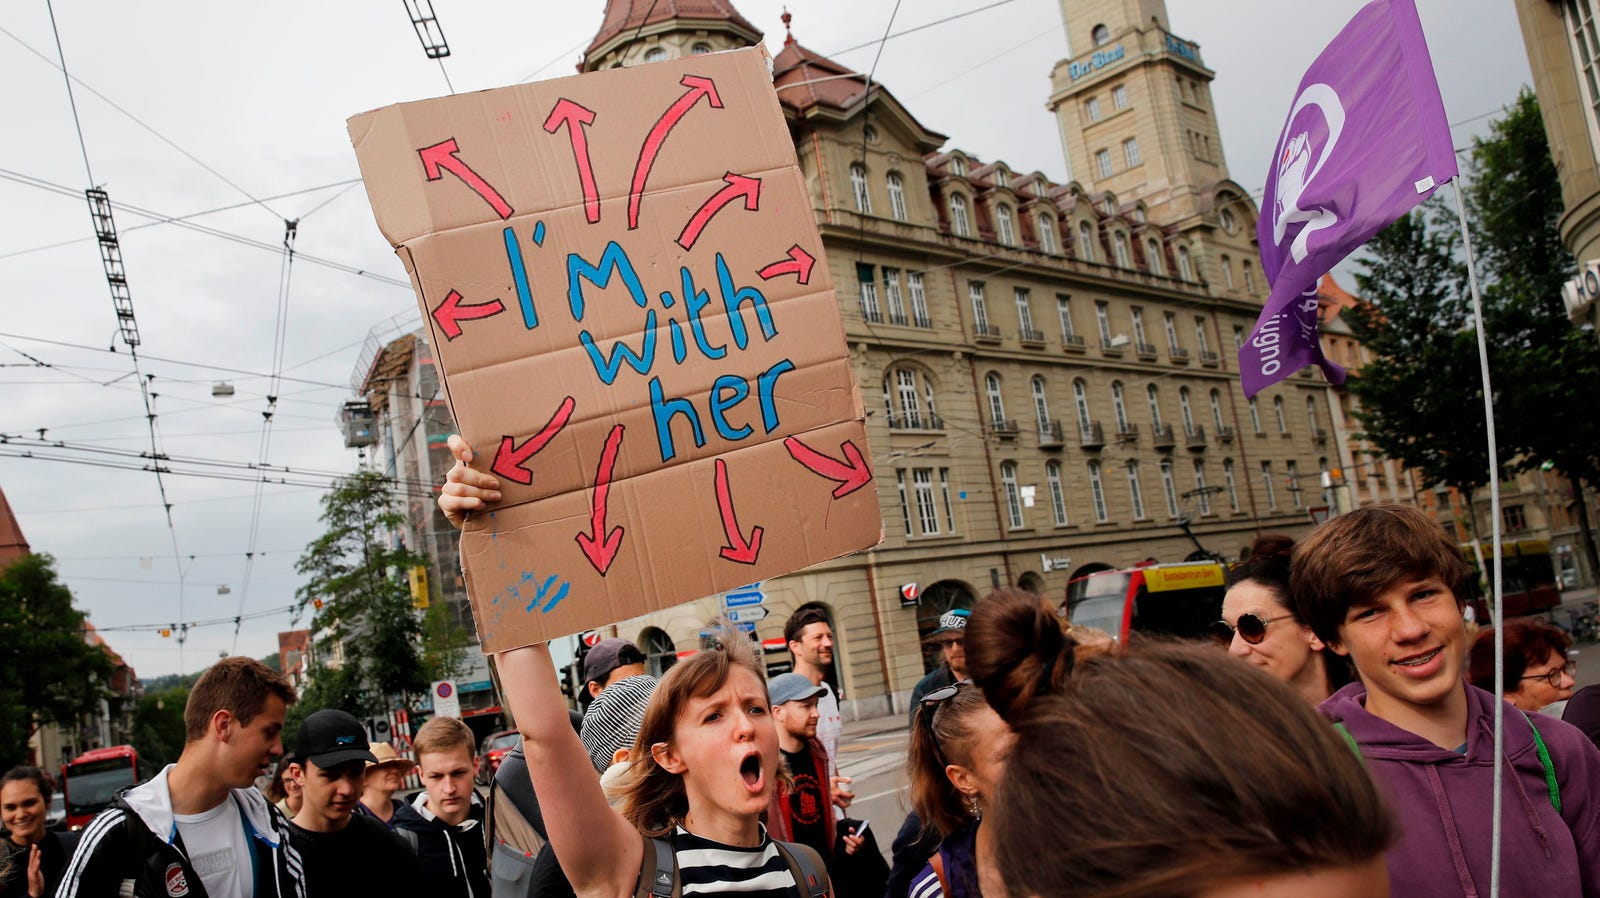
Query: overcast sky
x,y
259,95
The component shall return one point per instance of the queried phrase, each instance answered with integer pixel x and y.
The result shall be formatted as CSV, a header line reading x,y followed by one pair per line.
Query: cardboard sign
x,y
622,278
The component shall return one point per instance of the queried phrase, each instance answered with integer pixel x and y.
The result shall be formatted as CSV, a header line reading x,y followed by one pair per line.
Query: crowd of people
x,y
1337,741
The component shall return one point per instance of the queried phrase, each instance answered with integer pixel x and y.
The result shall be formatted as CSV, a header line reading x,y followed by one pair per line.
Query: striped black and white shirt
x,y
712,868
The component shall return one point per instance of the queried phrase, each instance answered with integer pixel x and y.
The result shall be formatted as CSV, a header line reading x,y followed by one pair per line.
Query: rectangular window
x,y
1200,334
1585,44
1058,499
1135,493
905,507
980,309
897,198
1136,314
1024,312
869,302
949,509
1119,96
892,297
927,513
1130,151
1238,339
1231,485
1091,109
1266,484
1064,312
1172,330
1516,520
1294,482
919,301
1102,317
1102,162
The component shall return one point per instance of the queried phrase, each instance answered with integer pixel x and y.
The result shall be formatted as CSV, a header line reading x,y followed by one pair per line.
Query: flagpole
x,y
1496,612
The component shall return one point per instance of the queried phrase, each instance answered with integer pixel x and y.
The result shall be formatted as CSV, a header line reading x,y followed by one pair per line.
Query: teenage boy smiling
x,y
1383,585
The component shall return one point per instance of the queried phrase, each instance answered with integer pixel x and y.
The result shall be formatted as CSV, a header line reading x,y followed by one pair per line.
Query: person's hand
x,y
35,873
842,796
466,490
852,841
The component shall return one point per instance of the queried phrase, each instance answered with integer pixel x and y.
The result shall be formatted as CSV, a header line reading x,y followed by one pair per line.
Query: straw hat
x,y
385,754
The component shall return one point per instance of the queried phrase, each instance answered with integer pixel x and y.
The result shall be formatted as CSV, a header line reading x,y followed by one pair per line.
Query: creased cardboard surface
x,y
637,332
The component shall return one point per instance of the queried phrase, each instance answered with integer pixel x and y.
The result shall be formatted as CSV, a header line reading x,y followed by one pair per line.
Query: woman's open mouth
x,y
750,770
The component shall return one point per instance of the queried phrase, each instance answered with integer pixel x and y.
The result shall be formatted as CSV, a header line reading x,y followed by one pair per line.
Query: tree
x,y
49,674
359,577
158,729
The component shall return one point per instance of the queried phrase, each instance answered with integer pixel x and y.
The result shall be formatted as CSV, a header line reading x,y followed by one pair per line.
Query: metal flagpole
x,y
1496,612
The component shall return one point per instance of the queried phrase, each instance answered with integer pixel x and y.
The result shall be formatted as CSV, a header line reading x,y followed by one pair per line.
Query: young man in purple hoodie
x,y
1384,586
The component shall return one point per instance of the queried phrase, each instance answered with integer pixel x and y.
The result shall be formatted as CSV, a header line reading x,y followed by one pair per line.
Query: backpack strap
x,y
658,870
1351,740
937,863
806,866
1550,783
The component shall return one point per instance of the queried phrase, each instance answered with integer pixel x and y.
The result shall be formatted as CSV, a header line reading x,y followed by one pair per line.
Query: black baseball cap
x,y
332,737
607,656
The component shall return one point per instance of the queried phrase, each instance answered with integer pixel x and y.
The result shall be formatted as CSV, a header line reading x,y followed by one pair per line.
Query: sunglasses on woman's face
x,y
1252,627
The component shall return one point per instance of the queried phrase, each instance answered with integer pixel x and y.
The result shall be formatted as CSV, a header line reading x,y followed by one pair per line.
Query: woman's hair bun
x,y
1016,650
1272,545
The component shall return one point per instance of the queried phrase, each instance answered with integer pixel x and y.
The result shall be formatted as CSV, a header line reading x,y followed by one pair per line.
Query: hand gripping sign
x,y
626,296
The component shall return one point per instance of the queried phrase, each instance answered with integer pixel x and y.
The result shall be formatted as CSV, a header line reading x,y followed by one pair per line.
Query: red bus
x,y
1528,578
91,780
1181,600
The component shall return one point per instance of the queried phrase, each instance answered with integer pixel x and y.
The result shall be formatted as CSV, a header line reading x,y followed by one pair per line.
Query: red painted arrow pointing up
x,y
510,459
598,546
738,186
443,156
450,313
698,87
575,117
738,548
851,474
799,264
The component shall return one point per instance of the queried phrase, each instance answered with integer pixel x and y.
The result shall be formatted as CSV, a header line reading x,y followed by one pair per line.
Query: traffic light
x,y
166,632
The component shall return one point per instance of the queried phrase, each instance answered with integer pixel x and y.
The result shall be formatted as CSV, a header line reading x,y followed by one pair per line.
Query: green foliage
x,y
48,673
158,732
445,644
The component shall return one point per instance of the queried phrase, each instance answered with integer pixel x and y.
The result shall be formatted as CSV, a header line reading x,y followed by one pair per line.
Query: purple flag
x,y
1365,142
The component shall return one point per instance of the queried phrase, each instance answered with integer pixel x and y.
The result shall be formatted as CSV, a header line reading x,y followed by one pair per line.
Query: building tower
x,y
636,31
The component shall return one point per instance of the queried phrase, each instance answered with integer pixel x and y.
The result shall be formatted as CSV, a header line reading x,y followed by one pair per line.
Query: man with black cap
x,y
609,661
343,853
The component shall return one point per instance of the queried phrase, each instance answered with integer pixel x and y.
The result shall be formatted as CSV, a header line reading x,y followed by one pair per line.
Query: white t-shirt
x,y
829,726
219,850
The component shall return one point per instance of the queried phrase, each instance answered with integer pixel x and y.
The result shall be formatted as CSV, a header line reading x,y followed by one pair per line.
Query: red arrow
x,y
851,474
575,117
738,186
449,313
737,549
443,156
601,552
799,264
509,460
698,87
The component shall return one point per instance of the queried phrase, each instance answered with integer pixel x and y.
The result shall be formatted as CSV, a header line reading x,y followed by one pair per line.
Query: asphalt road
x,y
873,754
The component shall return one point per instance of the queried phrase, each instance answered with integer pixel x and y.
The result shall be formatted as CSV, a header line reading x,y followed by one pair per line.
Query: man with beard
x,y
810,639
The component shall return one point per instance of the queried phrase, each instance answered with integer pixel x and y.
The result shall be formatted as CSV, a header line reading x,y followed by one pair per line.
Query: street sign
x,y
591,638
1319,514
744,597
746,626
446,703
748,615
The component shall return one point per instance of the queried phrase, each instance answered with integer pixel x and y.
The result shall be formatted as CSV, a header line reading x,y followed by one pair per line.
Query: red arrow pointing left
x,y
509,460
575,117
799,265
738,548
442,156
449,313
598,546
851,474
738,186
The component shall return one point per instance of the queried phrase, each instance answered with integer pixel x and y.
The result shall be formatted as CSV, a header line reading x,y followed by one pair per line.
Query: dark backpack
x,y
658,870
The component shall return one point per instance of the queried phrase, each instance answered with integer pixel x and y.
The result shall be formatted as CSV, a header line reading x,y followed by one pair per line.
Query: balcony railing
x,y
1050,435
919,421
1210,359
897,318
1178,354
1072,343
873,315
922,321
1161,436
1146,351
1029,335
1127,432
1114,350
1005,427
1090,436
986,333
1195,437
1224,435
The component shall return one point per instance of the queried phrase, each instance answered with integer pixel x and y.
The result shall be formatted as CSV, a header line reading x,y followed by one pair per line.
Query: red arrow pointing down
x,y
443,156
449,313
576,117
602,551
738,186
799,264
851,474
509,460
698,87
738,549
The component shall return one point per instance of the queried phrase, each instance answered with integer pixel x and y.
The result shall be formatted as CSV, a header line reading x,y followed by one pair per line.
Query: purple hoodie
x,y
1442,801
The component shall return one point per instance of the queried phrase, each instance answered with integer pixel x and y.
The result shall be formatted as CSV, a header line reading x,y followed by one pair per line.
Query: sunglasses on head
x,y
930,707
1252,628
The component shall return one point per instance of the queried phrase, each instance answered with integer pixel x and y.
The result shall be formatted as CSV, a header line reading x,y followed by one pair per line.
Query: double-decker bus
x,y
1181,600
91,780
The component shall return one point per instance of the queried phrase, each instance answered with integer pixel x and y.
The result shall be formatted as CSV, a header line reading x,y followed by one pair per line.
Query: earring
x,y
973,808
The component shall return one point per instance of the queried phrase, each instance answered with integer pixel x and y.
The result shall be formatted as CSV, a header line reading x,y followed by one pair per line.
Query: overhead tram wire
x,y
915,29
290,480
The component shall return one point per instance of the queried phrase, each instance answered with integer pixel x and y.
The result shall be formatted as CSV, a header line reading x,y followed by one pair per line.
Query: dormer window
x,y
700,49
958,166
1007,226
655,54
958,216
1000,178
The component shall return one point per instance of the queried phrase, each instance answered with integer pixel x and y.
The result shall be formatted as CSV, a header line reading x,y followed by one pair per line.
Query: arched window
x,y
858,186
1200,486
1168,488
1277,412
700,49
897,195
1080,398
1008,477
1266,484
908,397
958,216
1007,226
1226,217
1041,406
1216,409
1118,407
997,407
1249,276
1101,35
1185,268
1311,414
1186,409
1119,248
1153,252
1047,234
655,54
1255,415
1134,492
1097,492
1058,496
1227,271
1294,481
1085,245
1153,395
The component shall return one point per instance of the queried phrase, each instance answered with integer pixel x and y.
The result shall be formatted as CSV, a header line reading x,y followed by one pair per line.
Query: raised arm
x,y
599,851
466,490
